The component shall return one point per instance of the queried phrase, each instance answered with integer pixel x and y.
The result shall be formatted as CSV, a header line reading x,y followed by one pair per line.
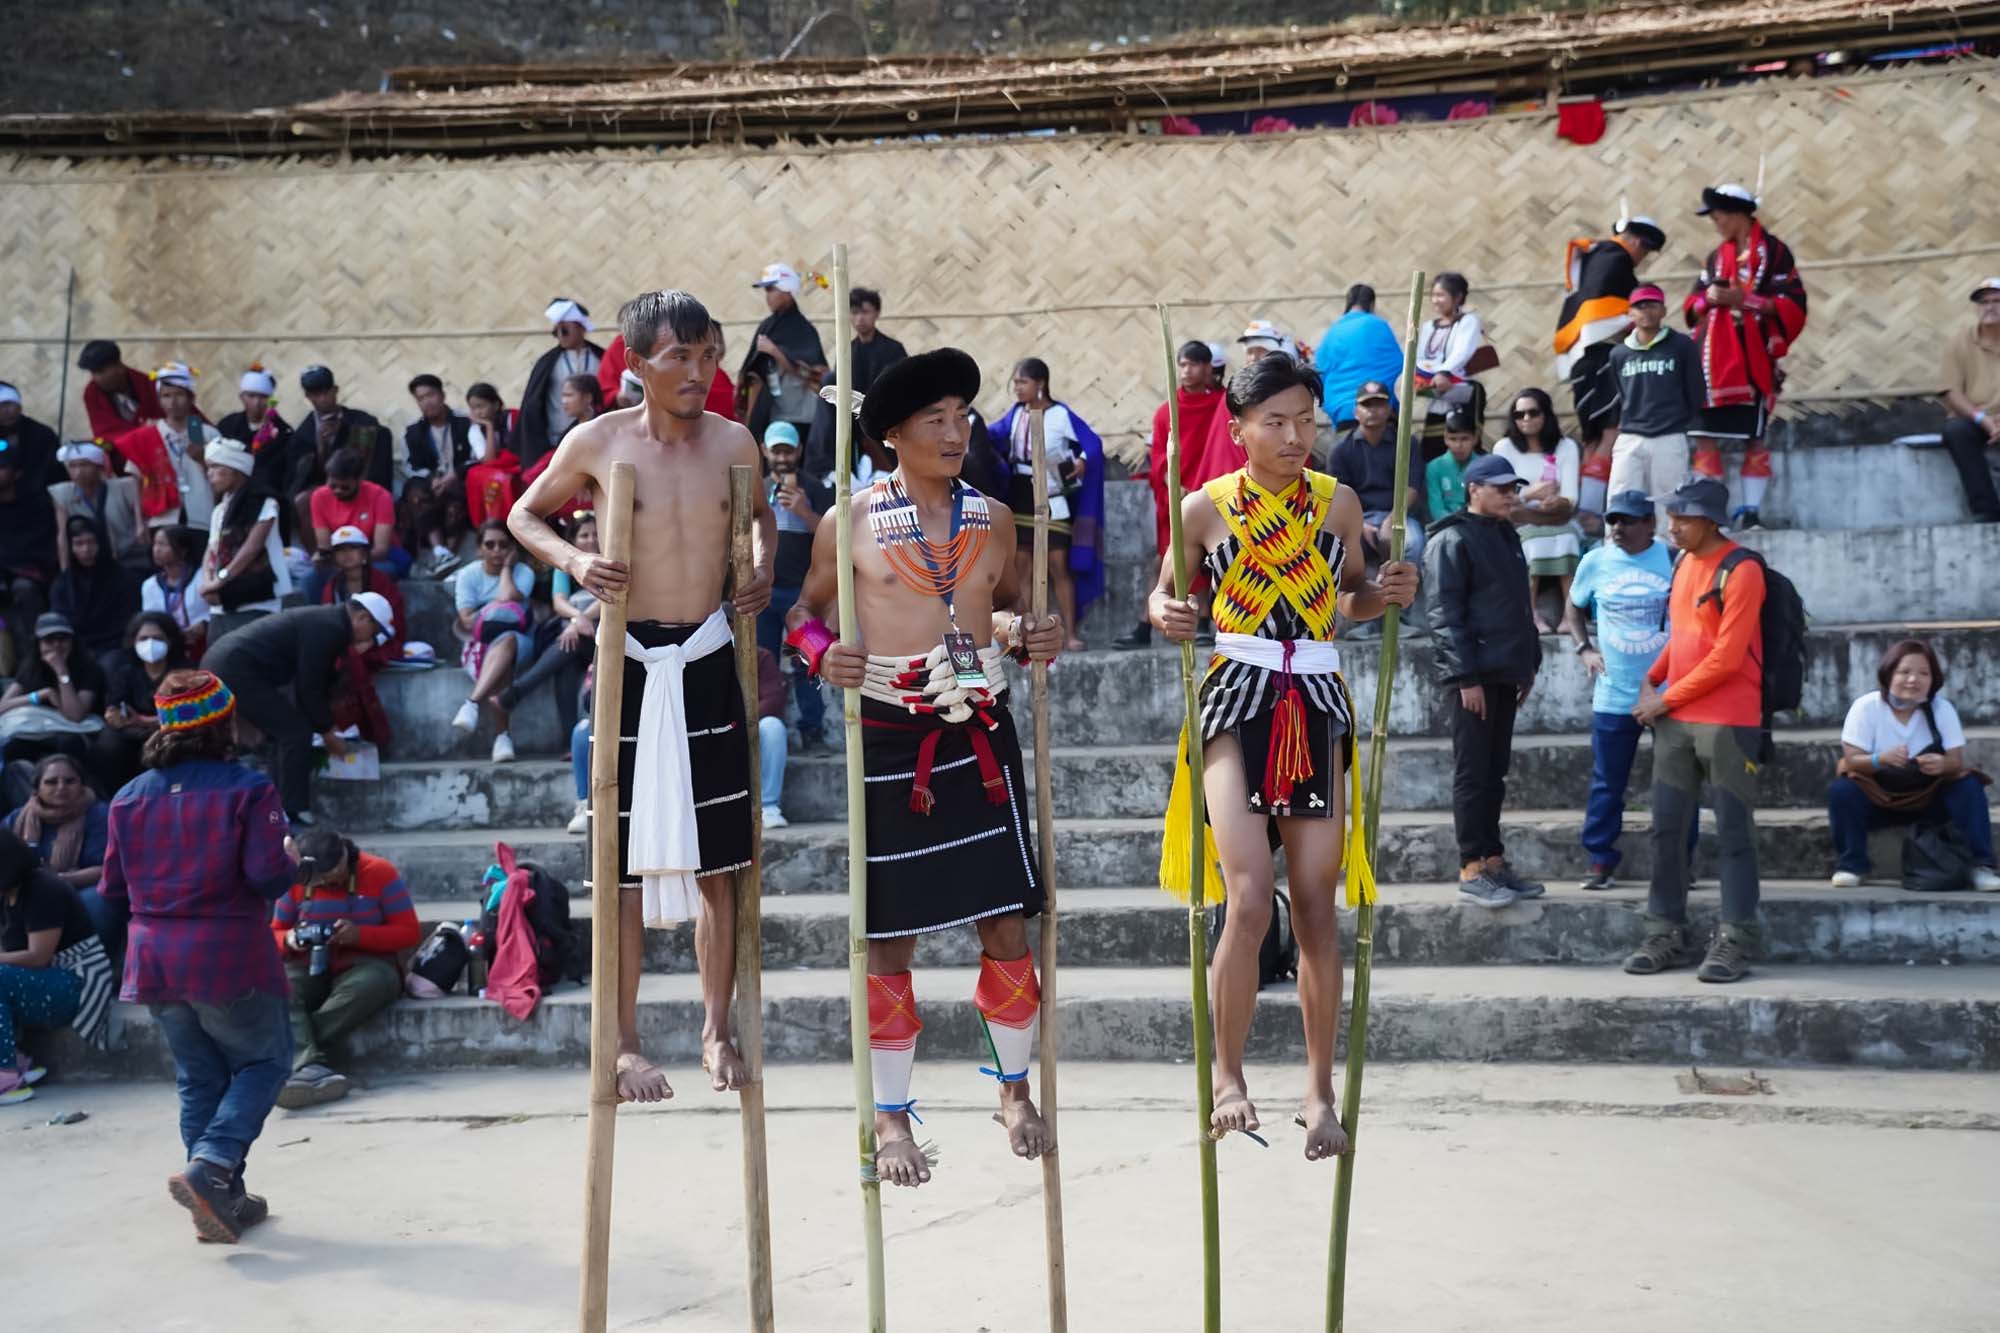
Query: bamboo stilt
x,y
1045,830
606,709
1211,1226
857,817
749,934
1371,804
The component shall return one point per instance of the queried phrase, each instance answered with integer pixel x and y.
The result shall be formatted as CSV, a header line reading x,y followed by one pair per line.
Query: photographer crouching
x,y
341,929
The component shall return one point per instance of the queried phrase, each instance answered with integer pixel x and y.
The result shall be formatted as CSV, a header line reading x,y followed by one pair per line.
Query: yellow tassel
x,y
1175,867
1360,874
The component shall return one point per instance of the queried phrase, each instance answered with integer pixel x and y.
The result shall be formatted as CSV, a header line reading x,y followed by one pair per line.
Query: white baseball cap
x,y
1263,331
349,535
177,373
1988,285
782,276
377,606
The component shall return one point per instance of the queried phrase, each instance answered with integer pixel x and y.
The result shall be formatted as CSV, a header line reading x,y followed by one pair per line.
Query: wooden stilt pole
x,y
857,817
749,933
606,711
1371,804
1045,830
1204,1069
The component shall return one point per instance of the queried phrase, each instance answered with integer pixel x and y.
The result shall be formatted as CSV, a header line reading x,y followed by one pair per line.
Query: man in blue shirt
x,y
1625,583
1360,346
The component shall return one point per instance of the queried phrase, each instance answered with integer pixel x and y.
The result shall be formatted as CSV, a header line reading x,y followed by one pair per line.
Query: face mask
x,y
151,650
1898,702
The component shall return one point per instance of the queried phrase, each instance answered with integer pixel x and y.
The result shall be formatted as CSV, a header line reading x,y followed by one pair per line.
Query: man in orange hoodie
x,y
1707,728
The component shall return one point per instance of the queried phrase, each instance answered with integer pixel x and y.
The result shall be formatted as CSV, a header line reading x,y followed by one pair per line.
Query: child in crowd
x,y
1444,476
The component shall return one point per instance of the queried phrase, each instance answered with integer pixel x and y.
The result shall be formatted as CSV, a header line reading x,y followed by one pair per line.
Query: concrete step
x,y
1415,924
1885,1017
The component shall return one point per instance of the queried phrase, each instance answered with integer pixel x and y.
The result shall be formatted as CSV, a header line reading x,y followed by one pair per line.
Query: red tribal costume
x,y
1198,414
1741,349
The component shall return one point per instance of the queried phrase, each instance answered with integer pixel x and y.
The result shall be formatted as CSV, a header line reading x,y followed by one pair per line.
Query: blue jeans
x,y
579,757
112,918
229,1062
1614,744
1413,533
805,689
1962,801
771,757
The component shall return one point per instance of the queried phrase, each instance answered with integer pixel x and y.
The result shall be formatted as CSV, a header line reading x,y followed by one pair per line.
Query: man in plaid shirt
x,y
199,846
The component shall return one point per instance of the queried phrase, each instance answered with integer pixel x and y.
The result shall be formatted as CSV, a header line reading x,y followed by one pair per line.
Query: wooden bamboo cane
x,y
62,389
1371,805
1045,830
857,816
1204,1071
614,536
749,933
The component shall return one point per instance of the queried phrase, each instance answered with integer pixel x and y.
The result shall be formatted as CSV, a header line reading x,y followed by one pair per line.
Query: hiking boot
x,y
1139,636
1725,961
1660,951
1523,888
1483,890
314,1085
203,1189
1601,877
250,1210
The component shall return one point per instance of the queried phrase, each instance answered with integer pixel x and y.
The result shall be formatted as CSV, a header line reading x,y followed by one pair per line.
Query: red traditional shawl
x,y
1740,349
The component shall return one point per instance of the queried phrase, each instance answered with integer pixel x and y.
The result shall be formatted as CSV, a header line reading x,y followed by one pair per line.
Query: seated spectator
x,y
352,574
117,398
112,503
63,822
581,400
1444,476
494,479
1364,461
1549,461
342,982
154,646
1358,347
439,445
492,600
28,559
331,428
1449,359
564,644
172,591
50,707
245,570
96,595
579,764
1972,398
31,444
798,501
544,418
53,969
773,739
348,501
258,424
1902,761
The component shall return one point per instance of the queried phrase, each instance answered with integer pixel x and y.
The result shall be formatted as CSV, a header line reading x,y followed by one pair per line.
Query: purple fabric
x,y
199,850
1086,510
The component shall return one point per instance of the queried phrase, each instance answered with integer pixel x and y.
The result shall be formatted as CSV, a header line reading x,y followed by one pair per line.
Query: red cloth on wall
x,y
1580,122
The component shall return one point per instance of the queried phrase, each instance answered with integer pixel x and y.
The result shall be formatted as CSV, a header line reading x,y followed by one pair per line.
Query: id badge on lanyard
x,y
958,646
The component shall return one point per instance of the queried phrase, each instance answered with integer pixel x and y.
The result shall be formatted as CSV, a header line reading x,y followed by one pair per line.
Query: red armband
x,y
810,640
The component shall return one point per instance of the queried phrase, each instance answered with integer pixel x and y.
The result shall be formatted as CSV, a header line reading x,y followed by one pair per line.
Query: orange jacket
x,y
1714,656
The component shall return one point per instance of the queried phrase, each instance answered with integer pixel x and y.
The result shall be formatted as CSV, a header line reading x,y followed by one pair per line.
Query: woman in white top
x,y
171,591
1549,461
1062,453
1902,761
243,545
1446,345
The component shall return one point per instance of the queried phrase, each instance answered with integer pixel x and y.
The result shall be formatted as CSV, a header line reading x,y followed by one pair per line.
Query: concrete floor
x,y
1495,1198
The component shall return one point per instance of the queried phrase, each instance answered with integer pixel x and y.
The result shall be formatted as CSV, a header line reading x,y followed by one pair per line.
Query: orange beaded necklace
x,y
922,565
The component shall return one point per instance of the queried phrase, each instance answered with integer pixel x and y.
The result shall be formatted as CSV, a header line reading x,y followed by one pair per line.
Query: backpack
x,y
1937,859
1278,955
442,959
557,956
1783,619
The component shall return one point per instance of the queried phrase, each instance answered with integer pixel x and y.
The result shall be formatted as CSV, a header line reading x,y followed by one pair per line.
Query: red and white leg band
x,y
1009,1000
892,1039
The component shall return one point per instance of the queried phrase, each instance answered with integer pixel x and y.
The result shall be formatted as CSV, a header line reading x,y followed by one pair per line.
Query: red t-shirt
x,y
370,508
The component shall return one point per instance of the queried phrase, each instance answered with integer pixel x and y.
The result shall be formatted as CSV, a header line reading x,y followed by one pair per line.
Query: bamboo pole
x,y
606,721
69,317
1045,831
1204,1070
1371,805
857,815
749,933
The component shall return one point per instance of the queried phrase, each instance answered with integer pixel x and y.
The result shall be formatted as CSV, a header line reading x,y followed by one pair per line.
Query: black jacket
x,y
535,441
423,452
33,447
301,647
357,430
1482,620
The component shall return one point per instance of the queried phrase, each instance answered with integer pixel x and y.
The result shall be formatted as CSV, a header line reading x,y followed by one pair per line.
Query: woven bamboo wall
x,y
1055,247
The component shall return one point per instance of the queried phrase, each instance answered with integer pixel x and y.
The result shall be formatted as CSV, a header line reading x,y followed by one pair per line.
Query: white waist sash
x,y
665,839
1310,657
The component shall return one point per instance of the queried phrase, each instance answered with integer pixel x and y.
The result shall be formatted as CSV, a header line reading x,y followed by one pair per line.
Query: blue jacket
x,y
1359,347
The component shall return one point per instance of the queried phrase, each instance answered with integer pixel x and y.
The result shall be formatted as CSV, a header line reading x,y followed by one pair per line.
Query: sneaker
x,y
579,820
1986,879
313,1085
1747,521
203,1189
1725,961
1523,888
1483,890
14,1088
467,716
1601,877
1846,879
1139,636
1661,951
503,749
775,818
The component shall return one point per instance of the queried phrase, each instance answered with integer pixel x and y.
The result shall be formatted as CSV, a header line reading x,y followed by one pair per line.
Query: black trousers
x,y
273,710
1966,442
1482,750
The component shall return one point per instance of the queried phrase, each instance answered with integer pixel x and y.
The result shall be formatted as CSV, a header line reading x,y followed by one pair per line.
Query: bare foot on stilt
x,y
898,1159
1027,1132
725,1068
640,1080
1324,1136
1233,1112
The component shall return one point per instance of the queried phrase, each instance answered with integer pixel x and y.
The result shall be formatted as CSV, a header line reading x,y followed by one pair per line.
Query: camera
x,y
318,937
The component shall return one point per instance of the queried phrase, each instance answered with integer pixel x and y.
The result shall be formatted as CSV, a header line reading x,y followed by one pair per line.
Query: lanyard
x,y
924,548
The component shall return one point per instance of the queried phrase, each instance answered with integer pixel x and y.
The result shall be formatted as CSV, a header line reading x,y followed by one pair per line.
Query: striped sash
x,y
92,965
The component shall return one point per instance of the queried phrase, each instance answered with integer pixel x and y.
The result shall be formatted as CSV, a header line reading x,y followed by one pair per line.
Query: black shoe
x,y
812,743
1600,878
204,1190
1749,520
1139,636
1523,888
250,1210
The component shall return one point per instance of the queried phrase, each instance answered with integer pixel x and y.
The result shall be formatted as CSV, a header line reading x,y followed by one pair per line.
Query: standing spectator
x,y
786,364
1549,461
1487,655
244,570
53,969
493,481
28,558
1364,461
1444,476
1358,348
1624,584
1451,352
166,454
1220,454
61,684
1902,761
331,428
172,590
1972,398
1075,458
280,668
1197,396
566,643
154,648
117,398
772,737
543,417
439,445
197,849
797,501
110,503
364,899
1747,309
30,444
612,371
873,350
1596,313
1707,728
1660,395
349,501
353,575
94,594
491,596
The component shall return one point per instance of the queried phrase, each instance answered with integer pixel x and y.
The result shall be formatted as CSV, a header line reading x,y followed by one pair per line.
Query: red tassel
x,y
921,800
1290,759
